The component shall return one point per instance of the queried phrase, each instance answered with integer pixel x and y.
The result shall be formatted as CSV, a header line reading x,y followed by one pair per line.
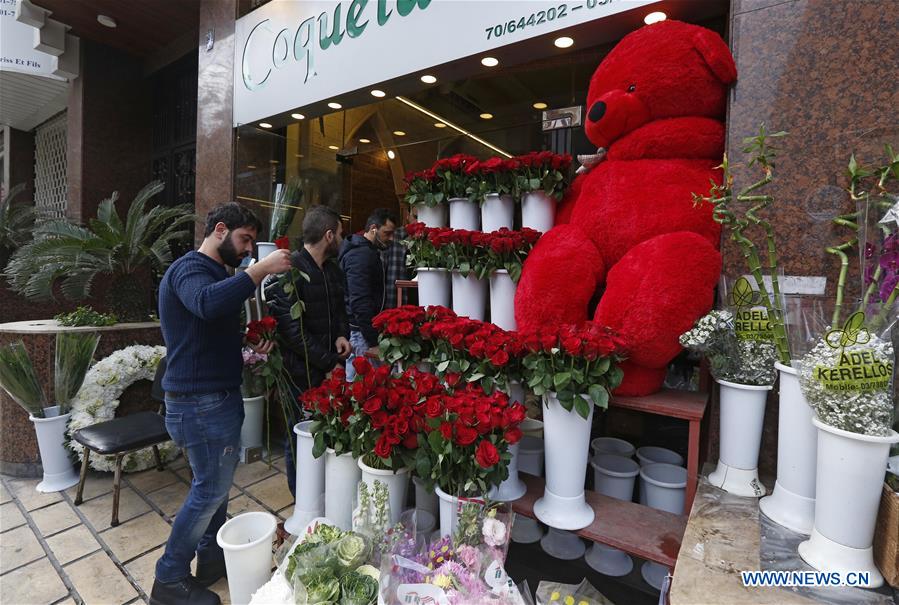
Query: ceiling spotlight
x,y
489,62
334,105
540,105
378,93
390,154
655,17
399,133
428,79
365,140
439,125
486,116
564,42
297,116
106,21
264,125
333,147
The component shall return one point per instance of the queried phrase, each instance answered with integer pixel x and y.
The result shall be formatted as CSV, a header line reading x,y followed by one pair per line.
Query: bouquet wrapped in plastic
x,y
554,593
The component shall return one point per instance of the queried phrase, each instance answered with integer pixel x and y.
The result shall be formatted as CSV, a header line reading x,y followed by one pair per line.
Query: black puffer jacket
x,y
361,263
324,319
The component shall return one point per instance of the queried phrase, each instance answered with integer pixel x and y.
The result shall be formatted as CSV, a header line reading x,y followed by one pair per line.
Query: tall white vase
x,y
464,214
792,504
247,542
251,429
502,300
51,435
567,442
397,482
431,216
497,212
310,502
513,487
538,211
742,417
342,476
849,479
433,287
469,296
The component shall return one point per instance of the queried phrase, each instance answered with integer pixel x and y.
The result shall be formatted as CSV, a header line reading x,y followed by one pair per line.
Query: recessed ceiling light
x,y
106,21
297,116
334,105
428,79
390,154
439,125
487,116
264,125
378,93
365,140
655,17
540,105
564,42
489,62
399,133
333,147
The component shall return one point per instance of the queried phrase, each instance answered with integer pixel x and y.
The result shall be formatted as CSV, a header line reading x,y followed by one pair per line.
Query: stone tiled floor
x,y
55,553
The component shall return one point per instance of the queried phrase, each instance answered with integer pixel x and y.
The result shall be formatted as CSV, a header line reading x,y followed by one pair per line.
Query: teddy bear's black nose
x,y
597,111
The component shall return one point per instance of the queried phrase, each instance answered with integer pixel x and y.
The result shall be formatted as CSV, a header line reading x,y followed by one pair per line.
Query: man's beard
x,y
333,249
229,253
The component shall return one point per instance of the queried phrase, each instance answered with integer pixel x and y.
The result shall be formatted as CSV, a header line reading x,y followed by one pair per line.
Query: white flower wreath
x,y
98,399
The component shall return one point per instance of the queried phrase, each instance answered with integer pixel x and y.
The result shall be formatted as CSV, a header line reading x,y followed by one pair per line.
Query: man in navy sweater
x,y
199,308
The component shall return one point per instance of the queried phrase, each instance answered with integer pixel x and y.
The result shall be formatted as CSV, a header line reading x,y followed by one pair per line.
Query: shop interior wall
x,y
825,72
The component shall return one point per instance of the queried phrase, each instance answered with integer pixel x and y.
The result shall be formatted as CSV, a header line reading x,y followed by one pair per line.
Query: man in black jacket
x,y
360,259
317,342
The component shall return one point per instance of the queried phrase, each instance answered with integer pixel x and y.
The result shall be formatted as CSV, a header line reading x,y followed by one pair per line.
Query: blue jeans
x,y
207,425
360,346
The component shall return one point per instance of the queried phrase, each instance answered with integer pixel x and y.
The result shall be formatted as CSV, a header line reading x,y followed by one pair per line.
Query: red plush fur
x,y
656,103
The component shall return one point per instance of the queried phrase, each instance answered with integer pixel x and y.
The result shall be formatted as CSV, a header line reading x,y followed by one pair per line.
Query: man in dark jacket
x,y
360,259
315,343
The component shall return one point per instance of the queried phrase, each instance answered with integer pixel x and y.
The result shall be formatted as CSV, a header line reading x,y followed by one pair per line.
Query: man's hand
x,y
263,347
344,348
373,353
276,262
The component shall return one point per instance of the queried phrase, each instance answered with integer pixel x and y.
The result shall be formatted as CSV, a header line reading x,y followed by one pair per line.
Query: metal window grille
x,y
50,168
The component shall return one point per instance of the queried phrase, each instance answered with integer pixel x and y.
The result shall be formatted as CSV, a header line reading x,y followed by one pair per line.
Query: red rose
x,y
269,323
465,435
372,405
513,436
361,365
283,243
382,447
486,454
433,407
410,441
499,359
446,429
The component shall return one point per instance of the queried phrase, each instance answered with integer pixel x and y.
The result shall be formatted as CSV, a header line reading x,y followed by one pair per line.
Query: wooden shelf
x,y
648,533
688,405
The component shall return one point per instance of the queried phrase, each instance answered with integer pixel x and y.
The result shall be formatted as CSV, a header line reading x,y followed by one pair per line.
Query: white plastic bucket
x,y
650,454
464,214
432,216
310,502
614,476
502,300
247,542
497,212
612,445
342,476
469,296
665,486
538,211
433,287
512,488
51,435
397,482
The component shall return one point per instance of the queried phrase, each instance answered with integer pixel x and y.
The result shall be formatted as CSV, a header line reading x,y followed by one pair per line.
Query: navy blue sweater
x,y
199,307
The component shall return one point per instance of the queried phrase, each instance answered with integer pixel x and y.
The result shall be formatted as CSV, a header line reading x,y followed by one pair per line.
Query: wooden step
x,y
648,533
688,405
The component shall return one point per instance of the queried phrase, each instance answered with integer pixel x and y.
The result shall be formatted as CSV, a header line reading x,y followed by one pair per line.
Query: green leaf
x,y
436,441
318,444
581,406
442,366
296,310
562,379
599,395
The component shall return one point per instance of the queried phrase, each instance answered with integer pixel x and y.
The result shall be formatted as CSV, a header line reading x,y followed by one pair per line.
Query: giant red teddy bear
x,y
628,228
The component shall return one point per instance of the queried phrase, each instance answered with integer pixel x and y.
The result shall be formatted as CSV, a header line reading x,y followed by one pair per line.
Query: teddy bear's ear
x,y
716,54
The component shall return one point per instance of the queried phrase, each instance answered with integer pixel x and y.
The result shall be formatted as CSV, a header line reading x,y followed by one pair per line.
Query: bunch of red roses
x,y
508,249
495,175
261,329
574,361
399,339
453,174
543,171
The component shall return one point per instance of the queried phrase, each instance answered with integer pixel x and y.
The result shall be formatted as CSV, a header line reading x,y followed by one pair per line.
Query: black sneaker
x,y
208,573
182,592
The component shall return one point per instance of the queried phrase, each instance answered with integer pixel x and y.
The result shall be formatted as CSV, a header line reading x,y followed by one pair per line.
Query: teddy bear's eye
x,y
632,88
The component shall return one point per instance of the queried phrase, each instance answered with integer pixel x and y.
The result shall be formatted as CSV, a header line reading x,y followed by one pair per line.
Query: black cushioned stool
x,y
124,435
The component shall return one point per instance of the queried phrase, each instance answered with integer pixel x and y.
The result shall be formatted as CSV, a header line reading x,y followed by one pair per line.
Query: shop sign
x,y
17,51
289,54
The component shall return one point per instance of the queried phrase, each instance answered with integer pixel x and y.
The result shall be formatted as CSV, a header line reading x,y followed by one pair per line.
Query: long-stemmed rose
x,y
574,361
400,339
507,250
452,175
331,409
496,175
466,253
543,171
423,188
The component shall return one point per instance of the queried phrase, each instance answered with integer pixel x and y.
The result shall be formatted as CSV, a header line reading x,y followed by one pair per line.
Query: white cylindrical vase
x,y
310,483
247,542
742,417
513,487
265,248
431,216
464,214
51,435
425,499
651,454
567,441
469,296
563,545
849,479
497,212
614,476
611,445
251,429
397,482
502,300
665,486
792,503
449,512
342,476
538,211
433,287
